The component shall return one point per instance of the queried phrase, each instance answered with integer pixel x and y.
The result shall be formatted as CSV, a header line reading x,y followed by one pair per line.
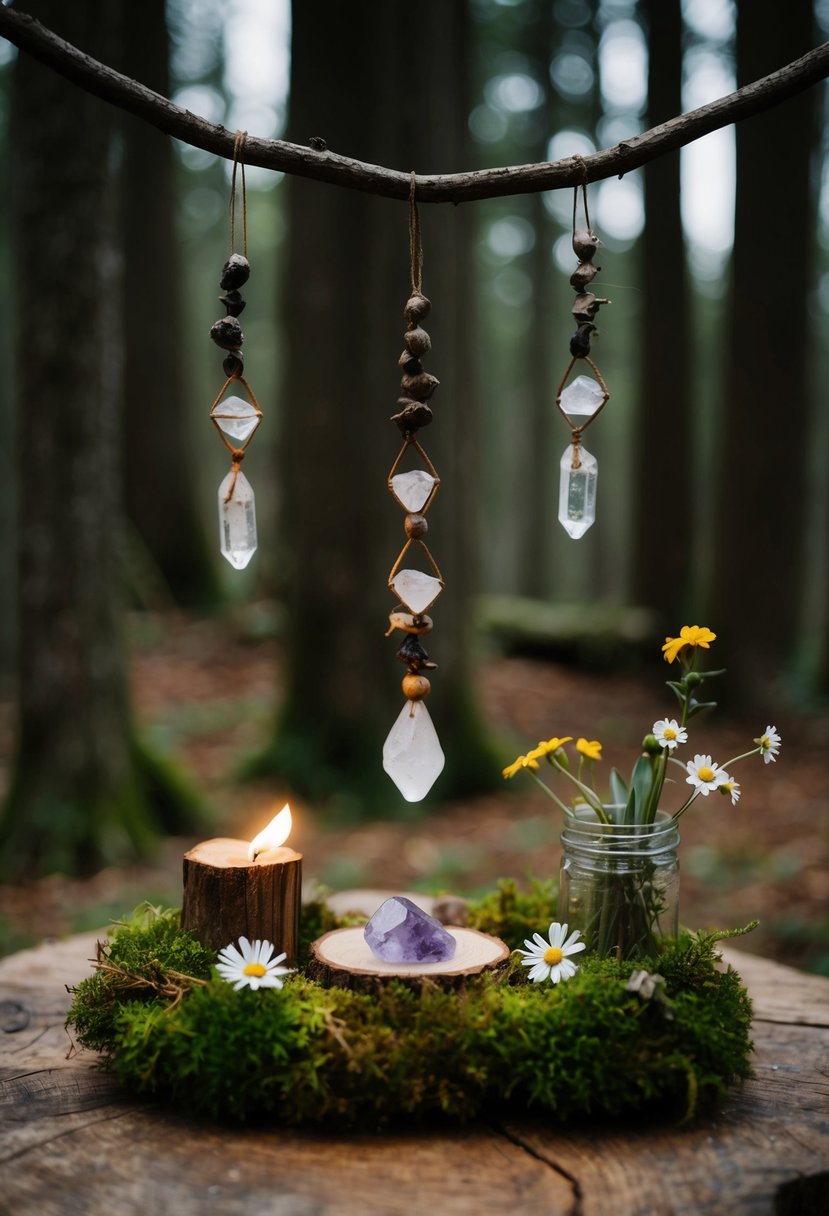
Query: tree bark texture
x,y
226,896
763,478
346,285
158,463
662,444
327,166
76,797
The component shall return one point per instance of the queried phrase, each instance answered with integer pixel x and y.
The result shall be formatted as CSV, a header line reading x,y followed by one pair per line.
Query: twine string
x,y
237,455
583,188
415,243
238,164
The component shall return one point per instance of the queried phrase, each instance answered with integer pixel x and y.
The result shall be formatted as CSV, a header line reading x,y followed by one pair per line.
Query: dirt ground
x,y
207,698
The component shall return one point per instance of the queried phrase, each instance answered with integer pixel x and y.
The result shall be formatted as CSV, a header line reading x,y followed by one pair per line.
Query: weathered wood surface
x,y
71,1142
341,959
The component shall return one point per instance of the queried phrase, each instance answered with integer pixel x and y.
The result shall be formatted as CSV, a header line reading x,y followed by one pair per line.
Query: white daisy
x,y
705,774
669,733
251,965
769,743
731,787
549,960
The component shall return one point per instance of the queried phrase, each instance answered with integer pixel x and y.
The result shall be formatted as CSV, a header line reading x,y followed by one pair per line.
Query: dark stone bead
x,y
585,244
235,272
234,303
417,307
580,341
417,341
411,366
421,386
413,416
416,526
582,275
234,363
227,333
585,306
411,652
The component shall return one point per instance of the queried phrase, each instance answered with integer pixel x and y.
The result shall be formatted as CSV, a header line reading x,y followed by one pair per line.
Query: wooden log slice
x,y
227,896
342,959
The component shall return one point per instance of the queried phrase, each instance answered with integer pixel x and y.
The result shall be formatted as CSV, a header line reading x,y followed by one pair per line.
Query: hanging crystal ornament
x,y
412,755
586,396
235,418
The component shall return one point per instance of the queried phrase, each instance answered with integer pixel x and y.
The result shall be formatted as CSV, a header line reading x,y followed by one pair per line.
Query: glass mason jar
x,y
620,883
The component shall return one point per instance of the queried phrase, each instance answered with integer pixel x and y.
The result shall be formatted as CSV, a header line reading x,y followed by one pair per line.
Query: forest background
x,y
143,682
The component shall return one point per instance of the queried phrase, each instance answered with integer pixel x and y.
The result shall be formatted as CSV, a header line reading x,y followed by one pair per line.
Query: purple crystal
x,y
400,932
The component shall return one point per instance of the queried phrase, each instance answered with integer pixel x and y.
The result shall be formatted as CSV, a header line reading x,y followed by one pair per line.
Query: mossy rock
x,y
169,1026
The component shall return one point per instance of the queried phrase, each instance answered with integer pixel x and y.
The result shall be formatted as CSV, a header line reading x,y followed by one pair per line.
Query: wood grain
x,y
71,1142
342,959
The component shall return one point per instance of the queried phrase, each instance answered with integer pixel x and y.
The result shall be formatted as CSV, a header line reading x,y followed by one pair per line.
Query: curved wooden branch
x,y
325,166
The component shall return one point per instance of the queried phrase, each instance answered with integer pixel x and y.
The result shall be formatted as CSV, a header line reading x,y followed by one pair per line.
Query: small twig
x,y
170,984
102,81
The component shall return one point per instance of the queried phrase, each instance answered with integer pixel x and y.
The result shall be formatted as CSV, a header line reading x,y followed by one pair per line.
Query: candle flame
x,y
271,837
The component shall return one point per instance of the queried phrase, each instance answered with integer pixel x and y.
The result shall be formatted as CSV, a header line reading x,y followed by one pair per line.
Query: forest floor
x,y
205,693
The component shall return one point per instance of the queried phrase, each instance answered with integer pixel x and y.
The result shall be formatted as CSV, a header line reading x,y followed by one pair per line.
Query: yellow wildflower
x,y
522,762
551,745
689,635
591,748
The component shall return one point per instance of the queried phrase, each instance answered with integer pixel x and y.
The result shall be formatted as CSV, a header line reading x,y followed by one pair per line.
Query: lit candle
x,y
235,888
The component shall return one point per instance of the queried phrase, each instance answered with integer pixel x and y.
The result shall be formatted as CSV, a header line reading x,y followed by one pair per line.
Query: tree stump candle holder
x,y
226,895
342,959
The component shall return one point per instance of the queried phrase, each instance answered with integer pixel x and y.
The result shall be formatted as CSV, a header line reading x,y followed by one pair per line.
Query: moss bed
x,y
305,1054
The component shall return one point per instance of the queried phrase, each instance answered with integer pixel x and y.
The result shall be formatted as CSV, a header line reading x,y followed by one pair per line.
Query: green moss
x,y
305,1054
514,915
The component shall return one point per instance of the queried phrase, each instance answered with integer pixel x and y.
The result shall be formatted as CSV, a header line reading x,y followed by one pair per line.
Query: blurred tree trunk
x,y
8,625
540,467
81,792
764,473
385,84
157,443
662,533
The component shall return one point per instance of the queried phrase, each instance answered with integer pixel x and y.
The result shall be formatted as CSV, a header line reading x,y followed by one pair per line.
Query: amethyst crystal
x,y
400,932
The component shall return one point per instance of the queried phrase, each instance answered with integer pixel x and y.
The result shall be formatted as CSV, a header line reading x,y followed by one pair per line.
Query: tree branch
x,y
42,44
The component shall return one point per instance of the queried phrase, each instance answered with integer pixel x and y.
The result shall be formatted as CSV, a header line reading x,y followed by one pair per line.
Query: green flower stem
x,y
589,795
567,810
755,751
693,797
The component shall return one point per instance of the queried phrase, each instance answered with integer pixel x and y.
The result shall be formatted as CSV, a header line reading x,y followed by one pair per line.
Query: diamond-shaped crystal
x,y
400,932
237,418
237,521
582,397
413,489
417,591
412,755
577,492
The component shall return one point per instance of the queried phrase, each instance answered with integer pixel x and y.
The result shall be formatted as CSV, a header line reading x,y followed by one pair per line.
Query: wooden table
x,y
71,1142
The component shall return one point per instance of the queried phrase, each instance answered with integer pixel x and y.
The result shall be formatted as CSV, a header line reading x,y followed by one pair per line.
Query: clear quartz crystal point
x,y
412,755
413,489
582,397
577,492
237,418
418,591
237,521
